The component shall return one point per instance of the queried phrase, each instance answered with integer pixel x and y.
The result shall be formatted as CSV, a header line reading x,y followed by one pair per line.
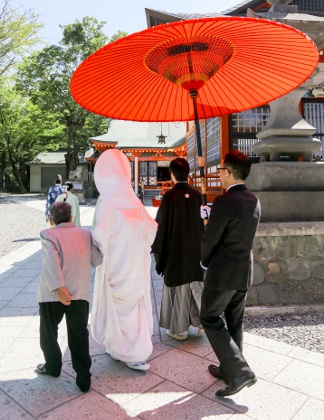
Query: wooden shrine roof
x,y
130,135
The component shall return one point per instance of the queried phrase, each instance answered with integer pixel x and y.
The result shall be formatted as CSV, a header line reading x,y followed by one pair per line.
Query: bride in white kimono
x,y
121,317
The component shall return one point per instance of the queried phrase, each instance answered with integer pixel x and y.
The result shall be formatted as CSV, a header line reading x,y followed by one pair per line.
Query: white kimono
x,y
124,232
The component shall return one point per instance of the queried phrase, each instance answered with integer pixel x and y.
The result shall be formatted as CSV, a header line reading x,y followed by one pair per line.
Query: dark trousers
x,y
227,343
76,314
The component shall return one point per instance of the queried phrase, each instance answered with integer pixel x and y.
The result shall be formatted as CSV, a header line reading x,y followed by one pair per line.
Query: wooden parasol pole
x,y
201,160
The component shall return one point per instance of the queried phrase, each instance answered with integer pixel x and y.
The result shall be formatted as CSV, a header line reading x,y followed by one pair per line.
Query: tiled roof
x,y
246,3
291,17
49,158
187,16
130,134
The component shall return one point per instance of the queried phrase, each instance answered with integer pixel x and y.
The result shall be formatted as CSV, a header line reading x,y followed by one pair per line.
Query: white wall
x,y
35,178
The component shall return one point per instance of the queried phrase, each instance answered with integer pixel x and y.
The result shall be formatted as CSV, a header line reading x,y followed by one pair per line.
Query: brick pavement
x,y
178,386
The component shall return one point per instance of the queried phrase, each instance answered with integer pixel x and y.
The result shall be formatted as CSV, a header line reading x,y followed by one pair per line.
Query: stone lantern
x,y
286,132
293,190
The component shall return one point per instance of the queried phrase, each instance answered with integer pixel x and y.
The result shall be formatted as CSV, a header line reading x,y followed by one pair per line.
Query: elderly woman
x,y
124,232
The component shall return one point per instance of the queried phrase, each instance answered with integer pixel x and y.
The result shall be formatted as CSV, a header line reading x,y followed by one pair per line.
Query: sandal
x,y
138,366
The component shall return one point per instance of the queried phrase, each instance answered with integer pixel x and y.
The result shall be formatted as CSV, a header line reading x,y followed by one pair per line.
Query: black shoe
x,y
84,387
84,384
41,368
237,384
217,373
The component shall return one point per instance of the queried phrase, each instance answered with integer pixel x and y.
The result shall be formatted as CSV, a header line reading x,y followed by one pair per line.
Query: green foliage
x,y
25,131
18,33
37,111
45,78
83,38
94,125
118,35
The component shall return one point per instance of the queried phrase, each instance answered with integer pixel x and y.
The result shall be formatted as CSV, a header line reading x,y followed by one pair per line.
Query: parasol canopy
x,y
230,64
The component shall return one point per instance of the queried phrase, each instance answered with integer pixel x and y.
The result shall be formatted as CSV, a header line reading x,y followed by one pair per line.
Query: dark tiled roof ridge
x,y
186,16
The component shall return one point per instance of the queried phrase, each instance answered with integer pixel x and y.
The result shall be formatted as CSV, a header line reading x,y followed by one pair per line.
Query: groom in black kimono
x,y
177,253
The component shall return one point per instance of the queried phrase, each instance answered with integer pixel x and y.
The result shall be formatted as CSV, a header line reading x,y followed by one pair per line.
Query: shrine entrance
x,y
154,172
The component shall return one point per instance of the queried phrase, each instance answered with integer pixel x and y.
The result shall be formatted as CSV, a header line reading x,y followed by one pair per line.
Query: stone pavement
x,y
178,386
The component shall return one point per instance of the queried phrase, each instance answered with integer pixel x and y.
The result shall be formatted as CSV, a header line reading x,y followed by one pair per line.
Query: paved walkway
x,y
178,386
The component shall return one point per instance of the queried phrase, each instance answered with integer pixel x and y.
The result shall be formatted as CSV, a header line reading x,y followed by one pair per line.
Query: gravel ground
x,y
21,224
306,330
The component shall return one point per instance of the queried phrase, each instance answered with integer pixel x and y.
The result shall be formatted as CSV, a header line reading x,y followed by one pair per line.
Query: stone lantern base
x,y
274,147
289,191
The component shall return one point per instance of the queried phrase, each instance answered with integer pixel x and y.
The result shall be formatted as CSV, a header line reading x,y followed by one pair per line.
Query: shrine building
x,y
149,147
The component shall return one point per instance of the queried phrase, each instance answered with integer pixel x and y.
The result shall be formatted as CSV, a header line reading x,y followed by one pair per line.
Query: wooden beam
x,y
224,136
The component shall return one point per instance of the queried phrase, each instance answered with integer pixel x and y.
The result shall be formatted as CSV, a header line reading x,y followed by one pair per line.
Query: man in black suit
x,y
226,254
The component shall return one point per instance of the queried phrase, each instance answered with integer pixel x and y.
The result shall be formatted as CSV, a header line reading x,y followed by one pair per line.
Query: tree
x,y
18,32
25,131
45,77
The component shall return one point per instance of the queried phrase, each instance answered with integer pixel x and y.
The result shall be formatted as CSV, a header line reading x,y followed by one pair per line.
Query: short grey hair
x,y
60,212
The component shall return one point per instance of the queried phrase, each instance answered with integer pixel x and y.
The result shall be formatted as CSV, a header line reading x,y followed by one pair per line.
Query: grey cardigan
x,y
68,253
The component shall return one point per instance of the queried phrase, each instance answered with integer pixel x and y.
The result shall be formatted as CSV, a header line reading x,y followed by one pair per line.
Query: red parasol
x,y
194,69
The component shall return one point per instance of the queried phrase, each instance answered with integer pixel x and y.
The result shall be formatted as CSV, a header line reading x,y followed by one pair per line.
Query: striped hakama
x,y
180,307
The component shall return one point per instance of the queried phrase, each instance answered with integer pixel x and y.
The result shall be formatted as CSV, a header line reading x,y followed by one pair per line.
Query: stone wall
x,y
288,264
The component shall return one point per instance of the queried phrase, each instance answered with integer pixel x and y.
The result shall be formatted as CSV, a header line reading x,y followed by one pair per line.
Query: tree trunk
x,y
18,179
24,173
70,157
17,176
2,169
75,153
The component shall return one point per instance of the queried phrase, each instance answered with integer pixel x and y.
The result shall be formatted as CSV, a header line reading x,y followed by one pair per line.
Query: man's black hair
x,y
180,169
69,185
238,163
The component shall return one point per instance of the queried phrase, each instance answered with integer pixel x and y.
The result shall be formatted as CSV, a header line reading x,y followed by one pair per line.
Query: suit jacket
x,y
177,243
68,253
228,240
